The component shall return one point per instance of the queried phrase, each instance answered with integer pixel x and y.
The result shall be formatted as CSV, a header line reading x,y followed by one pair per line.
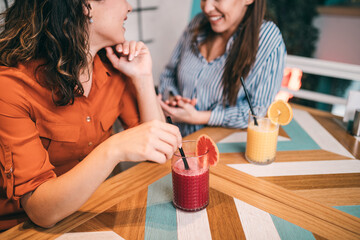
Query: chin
x,y
118,40
217,30
121,40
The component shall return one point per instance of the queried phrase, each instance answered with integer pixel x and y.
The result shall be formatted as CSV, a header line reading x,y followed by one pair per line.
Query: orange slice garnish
x,y
280,112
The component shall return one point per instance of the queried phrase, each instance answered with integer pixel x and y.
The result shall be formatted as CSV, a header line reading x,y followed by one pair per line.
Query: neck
x,y
225,36
93,50
95,45
219,39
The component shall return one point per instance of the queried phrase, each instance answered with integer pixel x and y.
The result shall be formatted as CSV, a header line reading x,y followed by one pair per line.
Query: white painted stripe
x,y
257,224
241,137
299,168
193,225
319,134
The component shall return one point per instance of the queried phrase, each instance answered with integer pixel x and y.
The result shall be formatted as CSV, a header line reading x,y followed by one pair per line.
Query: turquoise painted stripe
x,y
288,230
160,220
298,136
231,147
300,140
195,8
352,210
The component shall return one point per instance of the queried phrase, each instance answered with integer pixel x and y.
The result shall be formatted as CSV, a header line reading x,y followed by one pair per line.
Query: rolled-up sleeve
x,y
24,162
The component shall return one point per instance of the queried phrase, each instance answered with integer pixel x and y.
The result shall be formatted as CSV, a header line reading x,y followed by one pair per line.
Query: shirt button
x,y
90,143
88,118
8,173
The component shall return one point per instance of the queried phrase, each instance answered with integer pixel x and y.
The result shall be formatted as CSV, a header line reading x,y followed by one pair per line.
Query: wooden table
x,y
316,168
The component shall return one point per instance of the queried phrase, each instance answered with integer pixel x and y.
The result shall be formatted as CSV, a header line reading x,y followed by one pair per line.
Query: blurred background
x,y
319,29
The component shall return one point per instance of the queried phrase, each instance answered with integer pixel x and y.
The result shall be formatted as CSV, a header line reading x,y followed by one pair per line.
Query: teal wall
x,y
195,8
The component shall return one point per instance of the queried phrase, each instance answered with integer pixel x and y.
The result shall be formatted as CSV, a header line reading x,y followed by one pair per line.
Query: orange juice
x,y
261,141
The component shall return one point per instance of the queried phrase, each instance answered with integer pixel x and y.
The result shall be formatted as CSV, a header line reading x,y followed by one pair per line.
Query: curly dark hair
x,y
54,32
243,52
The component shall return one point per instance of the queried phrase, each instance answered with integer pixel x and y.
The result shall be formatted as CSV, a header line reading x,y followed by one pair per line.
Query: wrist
x,y
142,82
201,118
110,152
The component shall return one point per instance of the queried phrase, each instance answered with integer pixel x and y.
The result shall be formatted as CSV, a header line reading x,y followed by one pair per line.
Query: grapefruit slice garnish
x,y
205,145
280,112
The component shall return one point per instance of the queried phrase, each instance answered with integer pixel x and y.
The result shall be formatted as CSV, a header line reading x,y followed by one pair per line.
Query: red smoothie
x,y
190,187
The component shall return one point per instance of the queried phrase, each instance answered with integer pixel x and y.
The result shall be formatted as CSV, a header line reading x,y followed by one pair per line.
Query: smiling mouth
x,y
214,19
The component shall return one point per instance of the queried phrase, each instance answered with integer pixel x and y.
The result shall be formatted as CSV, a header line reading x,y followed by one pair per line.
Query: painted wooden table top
x,y
311,191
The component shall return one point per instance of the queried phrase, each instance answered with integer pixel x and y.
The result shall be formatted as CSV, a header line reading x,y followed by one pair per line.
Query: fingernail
x,y
131,57
136,53
119,49
180,145
126,51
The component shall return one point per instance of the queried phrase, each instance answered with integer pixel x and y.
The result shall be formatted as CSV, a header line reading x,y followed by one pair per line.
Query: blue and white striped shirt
x,y
190,75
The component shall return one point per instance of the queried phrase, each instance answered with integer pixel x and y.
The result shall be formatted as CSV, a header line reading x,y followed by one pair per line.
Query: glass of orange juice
x,y
262,138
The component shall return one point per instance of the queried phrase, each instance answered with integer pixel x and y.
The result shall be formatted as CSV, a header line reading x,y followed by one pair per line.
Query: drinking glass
x,y
190,187
262,139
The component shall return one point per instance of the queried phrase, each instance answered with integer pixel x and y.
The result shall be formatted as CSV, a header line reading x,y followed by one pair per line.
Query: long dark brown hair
x,y
243,52
54,31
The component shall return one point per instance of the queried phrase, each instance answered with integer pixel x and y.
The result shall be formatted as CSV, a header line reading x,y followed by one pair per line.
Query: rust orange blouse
x,y
39,140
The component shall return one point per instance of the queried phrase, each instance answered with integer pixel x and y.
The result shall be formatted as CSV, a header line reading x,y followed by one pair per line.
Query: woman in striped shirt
x,y
228,40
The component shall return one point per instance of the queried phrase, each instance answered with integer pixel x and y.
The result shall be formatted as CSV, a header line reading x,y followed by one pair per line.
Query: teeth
x,y
215,18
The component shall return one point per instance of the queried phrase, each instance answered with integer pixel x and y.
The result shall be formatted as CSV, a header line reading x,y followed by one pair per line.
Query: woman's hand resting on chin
x,y
132,58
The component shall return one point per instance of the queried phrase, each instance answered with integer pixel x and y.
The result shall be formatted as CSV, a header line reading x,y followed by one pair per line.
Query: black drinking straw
x,y
168,119
248,100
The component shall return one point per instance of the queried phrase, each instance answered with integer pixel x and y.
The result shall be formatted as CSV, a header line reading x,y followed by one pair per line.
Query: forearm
x,y
233,117
201,118
57,198
148,104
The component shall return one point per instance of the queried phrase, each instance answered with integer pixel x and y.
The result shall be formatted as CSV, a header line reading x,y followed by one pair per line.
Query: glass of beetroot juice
x,y
190,187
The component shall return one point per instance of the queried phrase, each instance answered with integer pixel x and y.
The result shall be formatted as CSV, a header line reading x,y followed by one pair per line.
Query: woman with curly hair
x,y
230,39
66,74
